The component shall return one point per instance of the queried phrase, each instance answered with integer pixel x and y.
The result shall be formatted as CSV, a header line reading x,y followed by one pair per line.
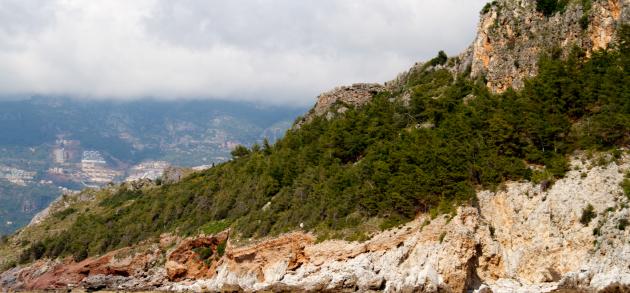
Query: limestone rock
x,y
355,95
512,35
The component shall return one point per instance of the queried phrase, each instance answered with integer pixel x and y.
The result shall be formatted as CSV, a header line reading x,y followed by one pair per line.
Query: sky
x,y
276,51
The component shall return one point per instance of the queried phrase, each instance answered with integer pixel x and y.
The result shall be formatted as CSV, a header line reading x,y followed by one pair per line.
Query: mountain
x,y
44,140
503,169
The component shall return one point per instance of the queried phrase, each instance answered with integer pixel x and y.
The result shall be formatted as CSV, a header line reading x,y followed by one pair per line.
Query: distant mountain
x,y
133,131
43,141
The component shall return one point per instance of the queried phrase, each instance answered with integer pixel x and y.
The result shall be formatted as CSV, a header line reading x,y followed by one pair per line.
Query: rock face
x,y
188,261
355,95
518,239
512,35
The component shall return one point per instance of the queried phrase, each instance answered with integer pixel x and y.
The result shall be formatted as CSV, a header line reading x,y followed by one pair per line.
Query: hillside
x,y
504,167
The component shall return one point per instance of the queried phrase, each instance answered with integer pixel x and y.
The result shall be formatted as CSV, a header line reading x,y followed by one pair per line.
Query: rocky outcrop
x,y
521,238
196,258
512,35
134,268
355,95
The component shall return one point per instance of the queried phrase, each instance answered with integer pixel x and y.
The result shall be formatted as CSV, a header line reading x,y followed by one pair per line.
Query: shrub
x,y
7,265
441,59
586,9
80,255
588,214
550,7
625,185
487,7
239,152
442,236
584,22
622,224
203,253
61,215
221,248
214,227
34,252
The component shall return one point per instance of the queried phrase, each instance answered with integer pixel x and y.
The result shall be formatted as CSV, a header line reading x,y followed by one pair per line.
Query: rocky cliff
x,y
343,97
512,35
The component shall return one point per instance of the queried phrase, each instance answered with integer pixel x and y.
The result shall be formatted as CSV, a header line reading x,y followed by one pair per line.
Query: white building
x,y
94,168
148,170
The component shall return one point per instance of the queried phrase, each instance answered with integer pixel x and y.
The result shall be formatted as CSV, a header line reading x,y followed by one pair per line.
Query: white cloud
x,y
284,51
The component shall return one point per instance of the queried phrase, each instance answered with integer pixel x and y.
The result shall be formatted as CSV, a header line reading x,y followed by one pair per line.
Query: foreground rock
x,y
518,239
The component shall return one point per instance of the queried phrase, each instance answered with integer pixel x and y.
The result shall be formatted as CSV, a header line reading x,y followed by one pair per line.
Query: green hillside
x,y
381,164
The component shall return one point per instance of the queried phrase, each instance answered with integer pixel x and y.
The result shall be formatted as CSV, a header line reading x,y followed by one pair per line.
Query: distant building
x,y
16,176
59,155
71,150
56,171
148,170
93,157
202,167
95,170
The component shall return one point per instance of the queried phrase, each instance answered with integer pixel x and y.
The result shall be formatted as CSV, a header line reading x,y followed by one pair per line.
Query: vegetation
x,y
586,9
550,7
441,59
388,160
588,214
205,254
486,8
214,227
221,248
625,185
597,231
240,151
61,215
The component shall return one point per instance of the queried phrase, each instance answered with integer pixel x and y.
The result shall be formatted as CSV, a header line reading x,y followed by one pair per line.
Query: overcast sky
x,y
283,51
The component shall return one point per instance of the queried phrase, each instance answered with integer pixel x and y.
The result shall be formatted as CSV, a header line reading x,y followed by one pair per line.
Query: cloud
x,y
281,51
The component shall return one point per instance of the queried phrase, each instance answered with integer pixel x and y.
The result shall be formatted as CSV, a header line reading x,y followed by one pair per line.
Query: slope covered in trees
x,y
388,160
